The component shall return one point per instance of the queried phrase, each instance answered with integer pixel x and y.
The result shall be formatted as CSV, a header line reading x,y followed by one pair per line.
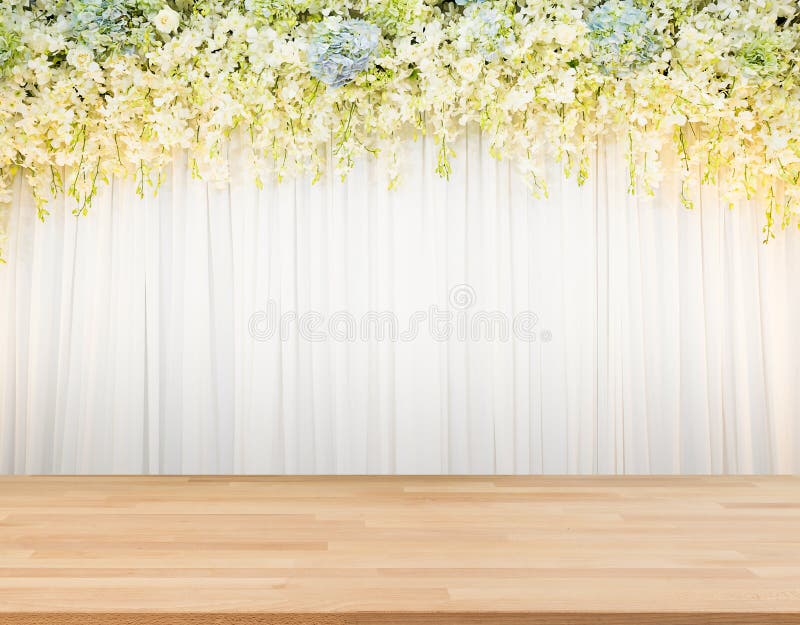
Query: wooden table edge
x,y
404,618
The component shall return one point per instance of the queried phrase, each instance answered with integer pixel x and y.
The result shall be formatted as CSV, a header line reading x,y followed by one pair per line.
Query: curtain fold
x,y
137,339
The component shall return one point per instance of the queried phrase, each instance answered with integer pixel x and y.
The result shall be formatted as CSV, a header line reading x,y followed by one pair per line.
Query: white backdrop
x,y
667,340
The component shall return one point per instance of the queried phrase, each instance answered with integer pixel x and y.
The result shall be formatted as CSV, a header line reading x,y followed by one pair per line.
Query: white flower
x,y
564,34
41,69
290,92
80,57
746,119
167,20
39,42
469,67
517,99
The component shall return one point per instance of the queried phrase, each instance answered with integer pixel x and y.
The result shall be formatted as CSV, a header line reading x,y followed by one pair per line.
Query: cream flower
x,y
167,20
564,34
469,67
80,57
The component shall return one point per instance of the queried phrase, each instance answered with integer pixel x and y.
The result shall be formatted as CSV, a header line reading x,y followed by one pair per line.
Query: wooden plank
x,y
386,550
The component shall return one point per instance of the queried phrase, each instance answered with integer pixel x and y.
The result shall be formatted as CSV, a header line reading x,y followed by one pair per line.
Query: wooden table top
x,y
411,550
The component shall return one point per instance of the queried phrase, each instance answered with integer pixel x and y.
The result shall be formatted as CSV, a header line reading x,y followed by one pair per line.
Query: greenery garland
x,y
91,89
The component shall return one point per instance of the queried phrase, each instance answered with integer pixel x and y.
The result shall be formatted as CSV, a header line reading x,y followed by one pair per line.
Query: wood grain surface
x,y
399,550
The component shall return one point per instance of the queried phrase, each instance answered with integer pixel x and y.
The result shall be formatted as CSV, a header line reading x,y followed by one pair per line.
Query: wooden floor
x,y
399,550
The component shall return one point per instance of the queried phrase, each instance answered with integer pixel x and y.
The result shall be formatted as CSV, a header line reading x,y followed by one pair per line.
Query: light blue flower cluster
x,y
490,30
341,49
620,35
97,22
109,24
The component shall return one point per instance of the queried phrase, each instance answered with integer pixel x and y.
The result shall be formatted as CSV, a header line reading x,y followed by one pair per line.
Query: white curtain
x,y
134,340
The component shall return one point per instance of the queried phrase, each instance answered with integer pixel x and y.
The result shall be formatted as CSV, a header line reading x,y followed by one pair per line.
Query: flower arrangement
x,y
91,89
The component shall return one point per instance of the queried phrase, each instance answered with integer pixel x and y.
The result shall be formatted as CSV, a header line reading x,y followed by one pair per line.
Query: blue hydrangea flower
x,y
490,31
110,24
99,22
620,35
341,49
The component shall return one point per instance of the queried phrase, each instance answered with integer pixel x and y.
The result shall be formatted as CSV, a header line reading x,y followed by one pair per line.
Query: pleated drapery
x,y
665,340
